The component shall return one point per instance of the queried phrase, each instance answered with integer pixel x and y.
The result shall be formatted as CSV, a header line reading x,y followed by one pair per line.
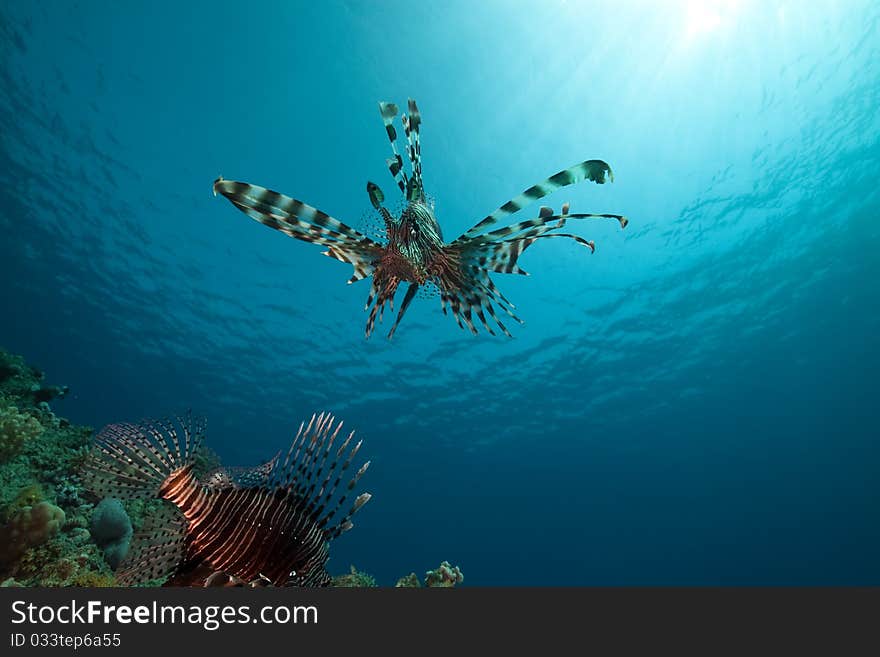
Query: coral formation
x,y
445,576
354,579
43,510
410,581
29,527
16,428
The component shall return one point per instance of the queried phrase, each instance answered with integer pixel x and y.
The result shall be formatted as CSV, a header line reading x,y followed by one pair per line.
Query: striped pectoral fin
x,y
502,256
528,241
470,292
535,227
465,304
381,293
596,170
276,210
133,460
362,257
157,549
304,222
407,299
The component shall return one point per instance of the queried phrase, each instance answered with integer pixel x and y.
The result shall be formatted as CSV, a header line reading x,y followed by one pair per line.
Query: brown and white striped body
x,y
249,533
272,523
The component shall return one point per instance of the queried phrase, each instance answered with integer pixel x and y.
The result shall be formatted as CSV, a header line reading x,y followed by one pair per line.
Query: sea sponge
x,y
15,429
446,575
111,529
30,526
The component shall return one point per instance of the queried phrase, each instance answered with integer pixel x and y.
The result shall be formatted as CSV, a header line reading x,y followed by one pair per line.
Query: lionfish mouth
x,y
413,250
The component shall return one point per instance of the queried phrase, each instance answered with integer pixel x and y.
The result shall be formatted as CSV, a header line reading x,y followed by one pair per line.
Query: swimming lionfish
x,y
270,524
413,249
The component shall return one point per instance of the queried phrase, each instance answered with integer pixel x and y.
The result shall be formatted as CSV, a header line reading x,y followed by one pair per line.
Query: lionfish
x,y
413,249
271,524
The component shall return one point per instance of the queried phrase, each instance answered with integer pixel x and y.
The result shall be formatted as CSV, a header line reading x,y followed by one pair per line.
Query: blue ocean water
x,y
695,403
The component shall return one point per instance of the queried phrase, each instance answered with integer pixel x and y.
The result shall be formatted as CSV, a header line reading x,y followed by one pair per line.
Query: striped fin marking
x,y
156,550
320,496
375,194
407,299
283,527
499,250
411,123
309,474
473,295
303,222
395,164
300,216
522,228
502,256
382,292
133,460
594,170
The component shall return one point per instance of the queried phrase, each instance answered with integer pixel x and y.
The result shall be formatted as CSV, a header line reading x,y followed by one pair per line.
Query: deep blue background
x,y
695,403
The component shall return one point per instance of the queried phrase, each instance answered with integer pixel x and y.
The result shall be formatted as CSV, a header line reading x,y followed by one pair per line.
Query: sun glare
x,y
703,17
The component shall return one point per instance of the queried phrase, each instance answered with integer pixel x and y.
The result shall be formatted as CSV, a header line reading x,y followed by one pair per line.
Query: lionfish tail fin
x,y
303,222
595,170
157,549
314,470
134,460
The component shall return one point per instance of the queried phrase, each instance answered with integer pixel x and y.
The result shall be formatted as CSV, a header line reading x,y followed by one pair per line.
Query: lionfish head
x,y
416,234
417,221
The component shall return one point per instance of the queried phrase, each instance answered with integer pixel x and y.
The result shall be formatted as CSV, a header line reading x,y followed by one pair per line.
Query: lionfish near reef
x,y
269,525
412,249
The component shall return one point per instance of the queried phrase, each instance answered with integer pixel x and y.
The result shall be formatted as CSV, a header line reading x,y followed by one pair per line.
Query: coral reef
x,y
30,526
16,429
55,533
445,576
44,512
